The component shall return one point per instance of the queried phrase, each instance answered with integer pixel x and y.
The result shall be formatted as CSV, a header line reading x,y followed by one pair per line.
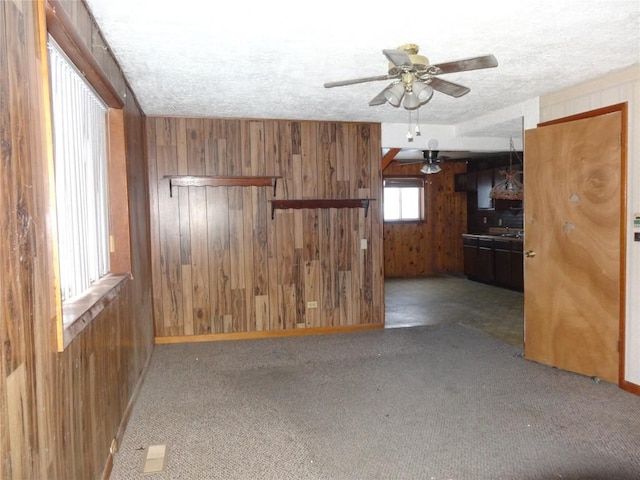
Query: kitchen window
x,y
403,199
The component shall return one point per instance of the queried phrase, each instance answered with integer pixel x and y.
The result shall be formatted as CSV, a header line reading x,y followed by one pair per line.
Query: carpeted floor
x,y
433,402
451,399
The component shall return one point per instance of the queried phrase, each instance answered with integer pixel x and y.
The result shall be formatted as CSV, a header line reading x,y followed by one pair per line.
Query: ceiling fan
x,y
415,79
430,158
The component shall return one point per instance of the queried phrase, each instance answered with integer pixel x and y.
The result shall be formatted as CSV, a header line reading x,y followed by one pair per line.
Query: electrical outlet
x,y
312,304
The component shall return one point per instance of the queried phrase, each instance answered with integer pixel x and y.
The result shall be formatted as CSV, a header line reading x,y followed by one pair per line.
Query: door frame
x,y
623,109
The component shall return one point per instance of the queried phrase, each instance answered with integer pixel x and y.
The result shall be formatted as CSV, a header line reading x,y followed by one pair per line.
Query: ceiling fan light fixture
x,y
423,92
410,101
394,94
430,168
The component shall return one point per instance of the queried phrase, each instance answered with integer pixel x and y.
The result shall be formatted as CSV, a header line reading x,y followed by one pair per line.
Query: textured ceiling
x,y
269,59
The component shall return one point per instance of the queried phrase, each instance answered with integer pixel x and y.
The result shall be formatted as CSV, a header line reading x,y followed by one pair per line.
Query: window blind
x,y
80,159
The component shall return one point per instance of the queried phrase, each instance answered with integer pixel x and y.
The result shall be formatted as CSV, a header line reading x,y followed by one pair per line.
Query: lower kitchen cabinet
x,y
485,270
517,266
470,246
494,260
502,263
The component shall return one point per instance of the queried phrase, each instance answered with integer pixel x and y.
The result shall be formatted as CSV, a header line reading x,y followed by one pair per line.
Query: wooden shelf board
x,y
220,181
321,203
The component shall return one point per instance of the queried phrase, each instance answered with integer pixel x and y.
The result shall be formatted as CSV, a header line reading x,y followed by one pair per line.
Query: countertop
x,y
499,234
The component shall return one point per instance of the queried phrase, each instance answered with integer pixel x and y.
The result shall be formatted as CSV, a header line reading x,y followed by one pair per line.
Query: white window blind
x,y
80,159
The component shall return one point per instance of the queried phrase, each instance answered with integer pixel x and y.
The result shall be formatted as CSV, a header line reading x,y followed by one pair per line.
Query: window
x,y
88,179
81,183
403,199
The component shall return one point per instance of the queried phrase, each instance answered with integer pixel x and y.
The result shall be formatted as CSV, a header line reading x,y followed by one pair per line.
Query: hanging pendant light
x,y
510,188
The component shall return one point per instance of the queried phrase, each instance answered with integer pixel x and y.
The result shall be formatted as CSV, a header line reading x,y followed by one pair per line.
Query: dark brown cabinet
x,y
470,246
517,266
494,260
485,271
502,262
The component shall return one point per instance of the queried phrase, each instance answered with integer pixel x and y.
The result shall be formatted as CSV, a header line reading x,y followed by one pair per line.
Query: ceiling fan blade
x,y
342,83
379,99
409,161
448,88
399,58
475,63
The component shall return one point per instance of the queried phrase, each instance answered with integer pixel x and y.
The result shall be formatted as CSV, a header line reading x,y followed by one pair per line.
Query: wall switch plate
x,y
312,304
363,243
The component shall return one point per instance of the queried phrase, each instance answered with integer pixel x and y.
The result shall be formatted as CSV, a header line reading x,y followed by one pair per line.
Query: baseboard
x,y
214,337
630,387
115,444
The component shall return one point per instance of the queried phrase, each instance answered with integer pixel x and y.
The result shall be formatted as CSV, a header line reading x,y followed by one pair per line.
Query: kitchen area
x,y
493,246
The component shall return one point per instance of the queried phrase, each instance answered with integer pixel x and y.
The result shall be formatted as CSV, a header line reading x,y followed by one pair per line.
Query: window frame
x,y
406,181
73,316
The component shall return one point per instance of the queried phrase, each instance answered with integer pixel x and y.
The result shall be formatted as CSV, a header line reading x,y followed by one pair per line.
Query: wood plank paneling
x,y
435,245
61,409
267,271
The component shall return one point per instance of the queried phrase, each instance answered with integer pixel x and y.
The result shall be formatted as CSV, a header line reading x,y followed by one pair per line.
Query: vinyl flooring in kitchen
x,y
497,311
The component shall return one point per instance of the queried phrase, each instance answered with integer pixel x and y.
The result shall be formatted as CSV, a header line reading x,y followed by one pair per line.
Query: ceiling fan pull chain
x,y
409,134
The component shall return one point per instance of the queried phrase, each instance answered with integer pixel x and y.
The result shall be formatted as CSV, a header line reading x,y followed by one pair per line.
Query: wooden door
x,y
573,202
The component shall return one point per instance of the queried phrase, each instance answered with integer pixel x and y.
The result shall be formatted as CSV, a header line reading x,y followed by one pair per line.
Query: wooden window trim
x,y
76,314
62,30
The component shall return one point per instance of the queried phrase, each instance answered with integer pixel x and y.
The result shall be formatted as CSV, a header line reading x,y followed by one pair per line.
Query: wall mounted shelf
x,y
219,181
321,203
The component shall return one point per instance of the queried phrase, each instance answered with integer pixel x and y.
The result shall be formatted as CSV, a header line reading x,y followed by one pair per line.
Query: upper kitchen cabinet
x,y
485,184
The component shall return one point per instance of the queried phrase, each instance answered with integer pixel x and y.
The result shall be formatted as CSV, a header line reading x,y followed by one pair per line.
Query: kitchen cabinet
x,y
485,269
502,262
494,259
484,186
517,265
470,246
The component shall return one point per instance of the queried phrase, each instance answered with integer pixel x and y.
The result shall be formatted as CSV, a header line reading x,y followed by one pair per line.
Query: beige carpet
x,y
433,402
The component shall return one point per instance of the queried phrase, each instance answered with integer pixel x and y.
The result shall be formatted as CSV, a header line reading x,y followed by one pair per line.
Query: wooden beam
x,y
389,156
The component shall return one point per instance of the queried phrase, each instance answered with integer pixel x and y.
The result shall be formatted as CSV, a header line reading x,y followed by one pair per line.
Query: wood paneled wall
x,y
222,265
435,245
59,411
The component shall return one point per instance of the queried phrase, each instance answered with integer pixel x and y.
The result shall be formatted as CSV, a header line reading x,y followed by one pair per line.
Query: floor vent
x,y
155,458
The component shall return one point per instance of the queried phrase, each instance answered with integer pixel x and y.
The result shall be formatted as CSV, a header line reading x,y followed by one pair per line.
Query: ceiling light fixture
x,y
411,92
510,188
394,93
431,166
